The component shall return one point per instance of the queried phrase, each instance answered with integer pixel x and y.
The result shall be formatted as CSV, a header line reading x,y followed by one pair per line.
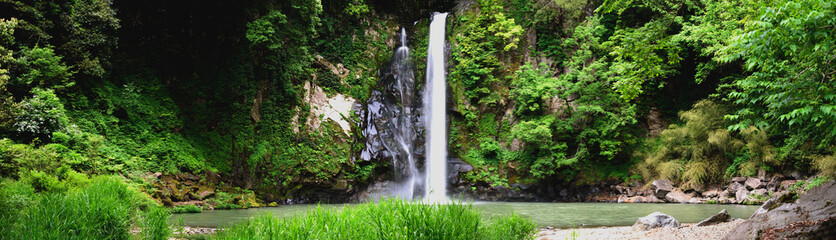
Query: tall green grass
x,y
388,219
106,209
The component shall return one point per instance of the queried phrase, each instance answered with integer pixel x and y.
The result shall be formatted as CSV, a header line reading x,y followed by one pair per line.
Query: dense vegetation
x,y
388,219
542,92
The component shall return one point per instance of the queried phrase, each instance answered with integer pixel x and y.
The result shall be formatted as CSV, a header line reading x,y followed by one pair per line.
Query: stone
x,y
812,216
760,191
786,184
655,220
734,186
662,187
677,196
738,179
741,195
753,183
720,217
764,207
711,193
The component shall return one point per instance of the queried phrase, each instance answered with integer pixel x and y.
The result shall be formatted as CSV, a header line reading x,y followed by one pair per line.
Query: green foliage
x,y
42,69
387,219
482,39
703,151
788,47
532,90
41,115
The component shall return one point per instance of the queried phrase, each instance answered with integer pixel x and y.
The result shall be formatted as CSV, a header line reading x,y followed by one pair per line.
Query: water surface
x,y
562,215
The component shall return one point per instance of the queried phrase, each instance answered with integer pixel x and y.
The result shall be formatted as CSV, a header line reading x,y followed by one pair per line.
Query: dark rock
x,y
720,217
753,183
811,216
655,220
662,187
738,179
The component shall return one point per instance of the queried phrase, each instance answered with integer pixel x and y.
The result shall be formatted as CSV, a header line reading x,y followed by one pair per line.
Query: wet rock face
x,y
813,216
392,123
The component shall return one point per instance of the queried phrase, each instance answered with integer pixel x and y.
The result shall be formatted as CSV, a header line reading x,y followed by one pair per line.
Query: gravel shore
x,y
686,231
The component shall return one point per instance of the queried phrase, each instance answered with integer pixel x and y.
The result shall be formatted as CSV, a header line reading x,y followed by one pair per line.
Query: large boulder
x,y
734,186
655,220
677,196
753,183
813,216
741,195
720,217
662,187
738,179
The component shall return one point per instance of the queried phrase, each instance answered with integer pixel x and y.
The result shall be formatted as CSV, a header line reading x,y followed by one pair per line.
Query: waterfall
x,y
435,106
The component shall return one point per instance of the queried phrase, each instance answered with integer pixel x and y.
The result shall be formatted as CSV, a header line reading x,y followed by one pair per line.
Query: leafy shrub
x,y
41,114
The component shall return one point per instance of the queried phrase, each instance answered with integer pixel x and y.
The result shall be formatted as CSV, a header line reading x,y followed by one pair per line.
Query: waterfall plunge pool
x,y
560,215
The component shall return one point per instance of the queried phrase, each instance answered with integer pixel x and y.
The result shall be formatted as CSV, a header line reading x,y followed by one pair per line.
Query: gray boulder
x,y
741,195
711,193
738,179
662,187
655,220
753,183
677,196
733,187
720,217
813,216
761,192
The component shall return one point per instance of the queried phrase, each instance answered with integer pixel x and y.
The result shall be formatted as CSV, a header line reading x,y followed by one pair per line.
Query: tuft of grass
x,y
387,219
186,209
105,209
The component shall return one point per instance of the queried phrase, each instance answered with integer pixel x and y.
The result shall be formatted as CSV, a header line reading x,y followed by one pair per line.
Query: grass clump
x,y
186,209
105,209
388,219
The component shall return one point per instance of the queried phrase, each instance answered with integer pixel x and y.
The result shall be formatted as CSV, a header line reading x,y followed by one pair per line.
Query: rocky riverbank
x,y
737,190
686,231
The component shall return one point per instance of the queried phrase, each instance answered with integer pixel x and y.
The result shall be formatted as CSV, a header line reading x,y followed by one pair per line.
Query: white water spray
x,y
435,106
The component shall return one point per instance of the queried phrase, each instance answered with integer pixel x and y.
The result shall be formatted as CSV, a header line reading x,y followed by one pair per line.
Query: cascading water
x,y
394,119
435,106
391,129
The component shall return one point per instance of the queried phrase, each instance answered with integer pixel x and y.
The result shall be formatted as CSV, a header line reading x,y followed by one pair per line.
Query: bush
x,y
41,115
388,219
